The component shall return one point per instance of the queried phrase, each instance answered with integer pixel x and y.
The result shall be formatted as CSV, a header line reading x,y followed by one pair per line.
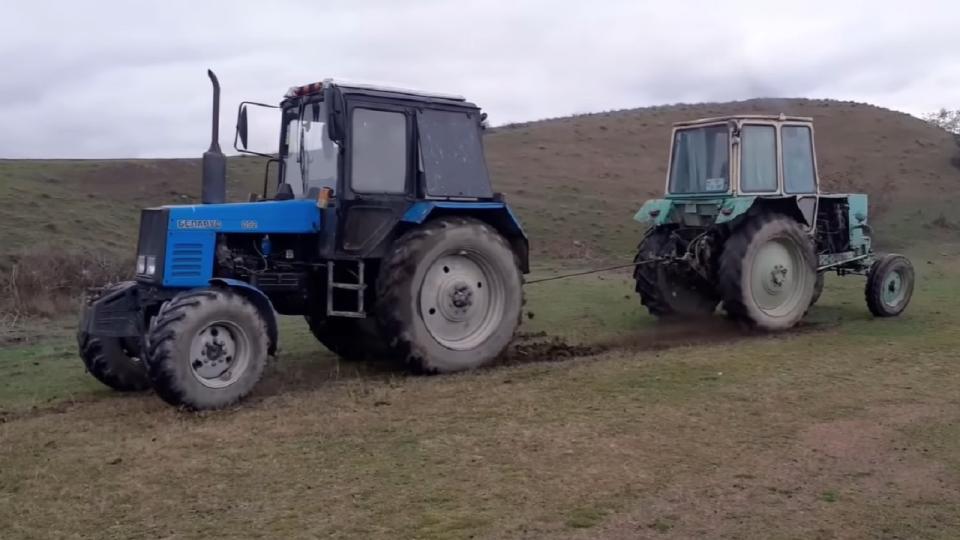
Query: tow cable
x,y
586,272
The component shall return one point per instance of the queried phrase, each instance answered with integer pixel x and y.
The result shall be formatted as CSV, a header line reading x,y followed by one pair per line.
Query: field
x,y
600,423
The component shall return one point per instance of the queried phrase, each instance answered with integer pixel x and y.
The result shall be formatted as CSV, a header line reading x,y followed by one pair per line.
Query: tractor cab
x,y
742,155
370,152
719,167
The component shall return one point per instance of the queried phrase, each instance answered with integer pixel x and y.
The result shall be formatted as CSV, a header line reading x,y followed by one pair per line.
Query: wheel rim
x,y
461,300
894,289
778,277
219,354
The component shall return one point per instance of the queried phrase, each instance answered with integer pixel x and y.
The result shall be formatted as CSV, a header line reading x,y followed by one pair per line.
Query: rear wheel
x,y
768,272
889,285
449,295
350,339
207,348
661,291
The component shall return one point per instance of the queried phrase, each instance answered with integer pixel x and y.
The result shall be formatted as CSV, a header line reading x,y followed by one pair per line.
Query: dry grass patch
x,y
47,281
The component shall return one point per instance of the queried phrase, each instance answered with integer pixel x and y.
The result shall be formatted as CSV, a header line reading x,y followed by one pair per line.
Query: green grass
x,y
586,308
845,427
829,496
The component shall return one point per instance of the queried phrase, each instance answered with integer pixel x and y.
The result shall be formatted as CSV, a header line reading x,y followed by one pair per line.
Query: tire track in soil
x,y
542,347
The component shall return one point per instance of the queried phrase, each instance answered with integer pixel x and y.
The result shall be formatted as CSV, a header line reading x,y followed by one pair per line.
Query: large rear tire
x,y
207,348
768,272
889,285
351,339
664,294
449,295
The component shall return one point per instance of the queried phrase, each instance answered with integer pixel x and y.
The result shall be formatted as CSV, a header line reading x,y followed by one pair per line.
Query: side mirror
x,y
333,99
242,126
265,144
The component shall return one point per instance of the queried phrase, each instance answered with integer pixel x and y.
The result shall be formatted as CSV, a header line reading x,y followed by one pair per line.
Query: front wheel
x,y
889,285
114,361
207,348
111,361
449,295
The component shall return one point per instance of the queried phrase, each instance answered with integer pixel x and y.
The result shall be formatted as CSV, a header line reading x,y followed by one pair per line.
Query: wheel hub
x,y
893,290
776,280
218,354
461,296
778,275
461,300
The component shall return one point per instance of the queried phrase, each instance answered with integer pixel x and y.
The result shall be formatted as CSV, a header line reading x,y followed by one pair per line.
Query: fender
x,y
262,303
497,214
735,207
655,212
786,204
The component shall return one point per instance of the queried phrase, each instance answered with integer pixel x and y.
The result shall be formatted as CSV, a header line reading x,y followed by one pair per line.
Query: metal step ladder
x,y
359,287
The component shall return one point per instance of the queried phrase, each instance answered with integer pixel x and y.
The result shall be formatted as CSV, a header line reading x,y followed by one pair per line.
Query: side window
x,y
379,151
758,158
798,173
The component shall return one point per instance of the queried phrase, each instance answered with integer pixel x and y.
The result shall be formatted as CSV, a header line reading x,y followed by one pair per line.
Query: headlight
x,y
146,265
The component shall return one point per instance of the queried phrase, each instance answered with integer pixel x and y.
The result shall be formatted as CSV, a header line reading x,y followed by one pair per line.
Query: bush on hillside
x,y
945,119
48,281
949,121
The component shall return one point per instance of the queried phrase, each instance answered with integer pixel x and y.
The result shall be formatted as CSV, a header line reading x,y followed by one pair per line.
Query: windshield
x,y
311,157
700,161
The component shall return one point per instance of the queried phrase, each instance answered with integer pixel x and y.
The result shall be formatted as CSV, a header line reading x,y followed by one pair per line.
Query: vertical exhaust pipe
x,y
214,187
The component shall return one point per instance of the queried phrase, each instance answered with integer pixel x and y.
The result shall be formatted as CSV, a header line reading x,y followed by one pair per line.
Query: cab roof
x,y
378,90
733,118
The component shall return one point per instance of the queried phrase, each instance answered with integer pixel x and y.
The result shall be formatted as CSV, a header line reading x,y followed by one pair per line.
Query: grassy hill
x,y
575,182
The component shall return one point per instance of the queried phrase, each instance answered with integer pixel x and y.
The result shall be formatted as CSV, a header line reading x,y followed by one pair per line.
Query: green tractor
x,y
744,223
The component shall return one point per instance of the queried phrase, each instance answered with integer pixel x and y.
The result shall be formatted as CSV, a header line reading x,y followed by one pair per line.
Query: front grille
x,y
186,260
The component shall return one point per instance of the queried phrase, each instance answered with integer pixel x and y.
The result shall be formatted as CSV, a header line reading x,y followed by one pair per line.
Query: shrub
x,y
47,281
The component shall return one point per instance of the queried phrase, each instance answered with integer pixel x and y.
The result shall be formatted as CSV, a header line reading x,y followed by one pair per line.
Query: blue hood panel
x,y
294,216
192,233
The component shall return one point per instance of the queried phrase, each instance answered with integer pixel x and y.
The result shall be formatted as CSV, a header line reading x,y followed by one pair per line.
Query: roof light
x,y
307,89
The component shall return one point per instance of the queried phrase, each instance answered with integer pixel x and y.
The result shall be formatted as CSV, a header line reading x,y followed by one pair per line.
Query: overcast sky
x,y
113,78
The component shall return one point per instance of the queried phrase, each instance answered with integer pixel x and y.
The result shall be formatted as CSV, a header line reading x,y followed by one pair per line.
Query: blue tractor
x,y
383,232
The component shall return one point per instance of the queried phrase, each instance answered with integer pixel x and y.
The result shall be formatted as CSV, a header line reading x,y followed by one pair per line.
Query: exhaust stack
x,y
214,187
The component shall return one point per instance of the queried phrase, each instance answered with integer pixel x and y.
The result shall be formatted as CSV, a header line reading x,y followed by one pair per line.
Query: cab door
x,y
800,169
378,169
